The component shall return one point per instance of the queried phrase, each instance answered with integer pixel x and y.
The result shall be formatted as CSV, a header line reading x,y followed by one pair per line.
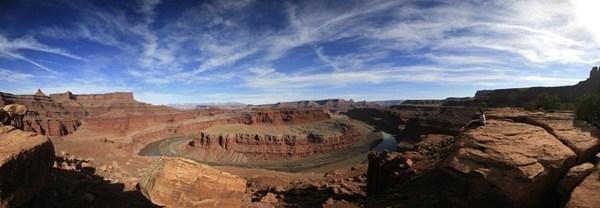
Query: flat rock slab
x,y
25,164
578,136
587,194
177,182
517,163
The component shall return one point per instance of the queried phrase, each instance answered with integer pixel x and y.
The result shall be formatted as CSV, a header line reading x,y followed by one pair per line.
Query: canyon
x,y
110,150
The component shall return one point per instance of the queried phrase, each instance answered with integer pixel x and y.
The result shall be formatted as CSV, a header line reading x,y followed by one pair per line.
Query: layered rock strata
x,y
188,125
285,116
277,143
61,114
46,116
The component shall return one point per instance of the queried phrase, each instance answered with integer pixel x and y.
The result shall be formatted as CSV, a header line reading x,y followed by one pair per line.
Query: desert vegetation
x,y
588,108
548,102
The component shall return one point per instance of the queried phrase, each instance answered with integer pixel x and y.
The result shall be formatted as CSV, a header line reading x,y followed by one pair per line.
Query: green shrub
x,y
588,108
547,103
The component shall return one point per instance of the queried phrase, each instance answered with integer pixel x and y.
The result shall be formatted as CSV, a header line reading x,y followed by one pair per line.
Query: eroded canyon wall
x,y
258,146
61,114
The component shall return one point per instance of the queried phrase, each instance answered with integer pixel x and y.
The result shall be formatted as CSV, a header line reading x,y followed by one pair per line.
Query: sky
x,y
259,52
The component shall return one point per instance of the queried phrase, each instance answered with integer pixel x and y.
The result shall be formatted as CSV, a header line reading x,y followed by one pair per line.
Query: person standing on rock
x,y
482,118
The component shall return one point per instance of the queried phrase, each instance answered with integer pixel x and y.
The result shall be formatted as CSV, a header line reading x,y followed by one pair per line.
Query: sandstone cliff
x,y
262,142
25,164
281,116
46,116
192,122
61,114
275,147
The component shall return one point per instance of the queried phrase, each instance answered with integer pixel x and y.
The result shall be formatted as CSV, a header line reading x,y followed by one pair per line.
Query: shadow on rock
x,y
80,187
313,196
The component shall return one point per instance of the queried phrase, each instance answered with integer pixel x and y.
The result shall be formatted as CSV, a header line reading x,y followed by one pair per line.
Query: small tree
x,y
588,108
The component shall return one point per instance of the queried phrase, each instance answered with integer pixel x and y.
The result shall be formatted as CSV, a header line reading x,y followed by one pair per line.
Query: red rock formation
x,y
577,135
387,170
286,116
25,164
45,116
276,147
122,123
184,124
177,182
511,164
98,104
61,114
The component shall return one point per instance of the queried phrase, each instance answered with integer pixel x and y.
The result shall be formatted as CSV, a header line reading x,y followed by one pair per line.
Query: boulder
x,y
506,164
587,194
387,170
573,178
577,135
177,182
25,163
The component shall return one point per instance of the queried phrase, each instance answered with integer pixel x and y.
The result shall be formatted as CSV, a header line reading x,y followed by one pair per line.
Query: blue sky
x,y
269,51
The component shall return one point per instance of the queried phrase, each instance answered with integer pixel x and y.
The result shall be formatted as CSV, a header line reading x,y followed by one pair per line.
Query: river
x,y
343,158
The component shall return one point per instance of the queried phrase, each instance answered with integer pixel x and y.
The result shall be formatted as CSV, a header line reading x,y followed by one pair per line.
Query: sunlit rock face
x,y
517,164
587,194
177,182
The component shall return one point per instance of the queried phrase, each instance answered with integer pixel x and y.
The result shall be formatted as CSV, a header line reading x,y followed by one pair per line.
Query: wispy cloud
x,y
12,48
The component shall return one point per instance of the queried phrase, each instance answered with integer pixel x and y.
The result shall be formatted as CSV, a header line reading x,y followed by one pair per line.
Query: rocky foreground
x,y
518,159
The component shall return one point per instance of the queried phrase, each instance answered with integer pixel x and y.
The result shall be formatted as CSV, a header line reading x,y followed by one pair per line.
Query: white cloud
x,y
14,76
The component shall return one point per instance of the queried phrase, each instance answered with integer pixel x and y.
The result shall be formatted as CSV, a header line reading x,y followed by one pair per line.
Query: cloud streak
x,y
12,48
